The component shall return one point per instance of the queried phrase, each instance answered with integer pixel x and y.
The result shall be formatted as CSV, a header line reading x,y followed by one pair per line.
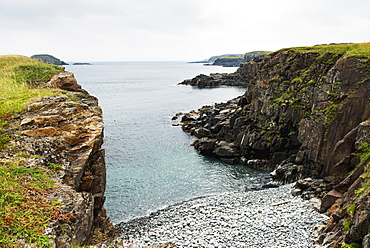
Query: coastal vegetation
x,y
24,209
308,118
346,50
19,77
364,154
293,103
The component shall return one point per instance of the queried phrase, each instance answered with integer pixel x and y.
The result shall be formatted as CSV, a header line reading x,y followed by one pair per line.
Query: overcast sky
x,y
97,30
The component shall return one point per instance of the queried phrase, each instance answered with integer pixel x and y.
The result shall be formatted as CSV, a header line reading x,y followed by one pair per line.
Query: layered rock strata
x,y
66,130
304,115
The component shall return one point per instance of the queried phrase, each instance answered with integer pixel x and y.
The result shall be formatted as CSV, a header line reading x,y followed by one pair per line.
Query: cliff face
x,y
66,131
304,114
228,62
234,60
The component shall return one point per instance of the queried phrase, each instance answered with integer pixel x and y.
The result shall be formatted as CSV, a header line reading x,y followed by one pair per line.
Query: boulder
x,y
65,81
329,199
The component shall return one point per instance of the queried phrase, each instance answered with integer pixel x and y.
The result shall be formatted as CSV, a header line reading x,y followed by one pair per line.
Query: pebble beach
x,y
263,218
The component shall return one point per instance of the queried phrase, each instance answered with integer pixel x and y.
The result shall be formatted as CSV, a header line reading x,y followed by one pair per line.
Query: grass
x,y
18,77
364,155
233,56
34,75
24,209
346,50
352,245
260,52
56,167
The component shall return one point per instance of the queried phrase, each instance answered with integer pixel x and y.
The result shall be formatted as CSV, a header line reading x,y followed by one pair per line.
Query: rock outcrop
x,y
304,115
225,79
66,130
216,80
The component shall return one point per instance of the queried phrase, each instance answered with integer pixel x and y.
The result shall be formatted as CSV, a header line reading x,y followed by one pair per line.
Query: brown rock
x,y
42,132
61,131
42,120
329,199
65,81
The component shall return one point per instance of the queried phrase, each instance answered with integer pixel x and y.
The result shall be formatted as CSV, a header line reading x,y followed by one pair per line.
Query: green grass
x,y
18,77
34,75
234,56
352,245
351,209
56,167
260,52
346,50
24,209
364,155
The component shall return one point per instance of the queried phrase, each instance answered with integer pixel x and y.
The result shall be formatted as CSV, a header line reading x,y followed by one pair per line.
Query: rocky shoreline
x,y
305,115
216,80
265,218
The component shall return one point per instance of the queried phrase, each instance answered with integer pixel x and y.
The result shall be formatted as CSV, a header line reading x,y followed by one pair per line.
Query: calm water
x,y
150,164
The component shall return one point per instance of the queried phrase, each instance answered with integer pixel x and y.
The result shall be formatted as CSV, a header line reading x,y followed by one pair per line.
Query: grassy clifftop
x,y
24,211
345,50
19,81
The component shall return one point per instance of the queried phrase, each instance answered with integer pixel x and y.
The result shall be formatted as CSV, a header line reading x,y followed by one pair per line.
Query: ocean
x,y
150,164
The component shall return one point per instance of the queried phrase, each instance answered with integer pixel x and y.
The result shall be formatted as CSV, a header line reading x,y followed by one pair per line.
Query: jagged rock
x,y
65,81
201,132
329,199
216,80
258,164
307,114
59,130
366,241
205,145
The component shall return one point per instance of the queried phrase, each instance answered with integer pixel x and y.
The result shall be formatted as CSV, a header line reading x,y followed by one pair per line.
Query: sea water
x,y
150,164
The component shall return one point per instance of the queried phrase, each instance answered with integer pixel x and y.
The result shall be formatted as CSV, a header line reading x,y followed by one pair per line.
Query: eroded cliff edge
x,y
304,116
64,132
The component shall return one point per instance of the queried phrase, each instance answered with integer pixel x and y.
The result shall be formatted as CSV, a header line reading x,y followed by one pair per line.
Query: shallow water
x,y
150,164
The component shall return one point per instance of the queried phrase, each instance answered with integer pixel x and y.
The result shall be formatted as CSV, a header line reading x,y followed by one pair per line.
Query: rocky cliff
x,y
228,61
305,116
64,132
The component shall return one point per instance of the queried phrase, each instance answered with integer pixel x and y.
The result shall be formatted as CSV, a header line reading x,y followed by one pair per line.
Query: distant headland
x,y
48,59
232,60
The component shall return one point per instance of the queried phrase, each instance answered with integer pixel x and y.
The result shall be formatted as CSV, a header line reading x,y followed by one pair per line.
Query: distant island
x,y
79,63
232,60
48,59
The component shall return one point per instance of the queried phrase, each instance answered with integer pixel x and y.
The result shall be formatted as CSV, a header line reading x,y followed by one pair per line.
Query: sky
x,y
175,30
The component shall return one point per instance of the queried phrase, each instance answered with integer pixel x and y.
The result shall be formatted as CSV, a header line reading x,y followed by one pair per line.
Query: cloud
x,y
175,30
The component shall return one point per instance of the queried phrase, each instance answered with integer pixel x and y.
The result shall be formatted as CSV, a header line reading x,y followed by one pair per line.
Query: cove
x,y
150,164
